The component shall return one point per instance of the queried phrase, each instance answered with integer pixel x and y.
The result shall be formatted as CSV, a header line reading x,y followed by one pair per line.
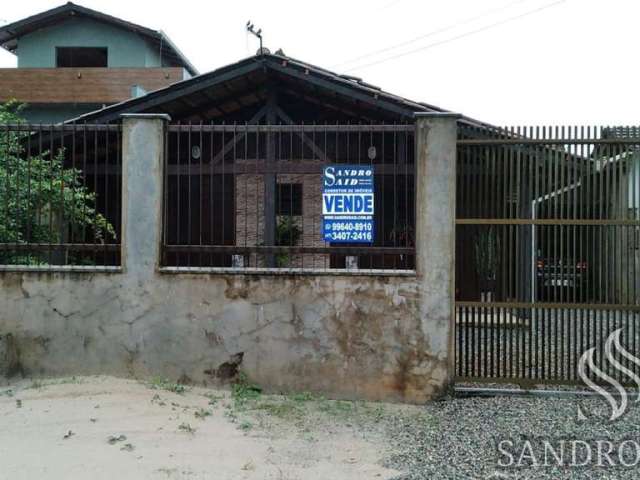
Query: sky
x,y
507,62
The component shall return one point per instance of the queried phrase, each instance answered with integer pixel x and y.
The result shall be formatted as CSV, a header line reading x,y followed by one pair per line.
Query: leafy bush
x,y
39,192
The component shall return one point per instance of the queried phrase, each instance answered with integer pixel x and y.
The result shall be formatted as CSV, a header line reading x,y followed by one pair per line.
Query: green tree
x,y
38,192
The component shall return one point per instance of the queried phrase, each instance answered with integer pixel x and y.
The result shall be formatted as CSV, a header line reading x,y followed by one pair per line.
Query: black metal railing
x,y
547,249
250,196
60,195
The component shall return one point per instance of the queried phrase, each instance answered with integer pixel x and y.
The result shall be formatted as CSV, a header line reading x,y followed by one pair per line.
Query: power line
x,y
458,37
433,32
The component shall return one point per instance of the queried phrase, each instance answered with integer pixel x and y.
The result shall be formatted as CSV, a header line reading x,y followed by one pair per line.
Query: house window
x,y
78,57
289,199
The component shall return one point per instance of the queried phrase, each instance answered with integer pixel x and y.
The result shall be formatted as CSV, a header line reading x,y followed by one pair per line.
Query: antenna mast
x,y
251,29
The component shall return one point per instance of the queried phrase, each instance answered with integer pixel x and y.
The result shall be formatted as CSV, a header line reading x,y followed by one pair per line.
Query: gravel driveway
x,y
458,438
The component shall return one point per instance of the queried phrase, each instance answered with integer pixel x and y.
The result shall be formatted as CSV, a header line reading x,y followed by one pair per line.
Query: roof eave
x,y
373,96
190,67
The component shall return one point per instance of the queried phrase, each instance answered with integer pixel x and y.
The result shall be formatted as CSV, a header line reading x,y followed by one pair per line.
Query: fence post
x,y
143,140
436,135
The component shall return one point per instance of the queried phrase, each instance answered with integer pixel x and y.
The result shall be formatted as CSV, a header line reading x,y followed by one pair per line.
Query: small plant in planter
x,y
402,235
288,233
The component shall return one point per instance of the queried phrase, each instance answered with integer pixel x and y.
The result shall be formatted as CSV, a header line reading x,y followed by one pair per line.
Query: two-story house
x,y
73,60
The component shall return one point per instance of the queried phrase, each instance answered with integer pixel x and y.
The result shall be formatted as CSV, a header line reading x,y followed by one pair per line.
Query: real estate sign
x,y
347,204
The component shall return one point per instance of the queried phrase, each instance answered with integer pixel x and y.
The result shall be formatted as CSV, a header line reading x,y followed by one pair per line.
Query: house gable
x,y
237,92
44,23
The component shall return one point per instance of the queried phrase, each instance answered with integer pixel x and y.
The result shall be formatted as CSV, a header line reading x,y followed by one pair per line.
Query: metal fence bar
x,y
289,248
548,242
65,127
249,196
46,247
547,221
240,129
546,141
60,195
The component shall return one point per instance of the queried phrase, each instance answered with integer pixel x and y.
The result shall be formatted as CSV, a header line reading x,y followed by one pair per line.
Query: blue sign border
x,y
367,188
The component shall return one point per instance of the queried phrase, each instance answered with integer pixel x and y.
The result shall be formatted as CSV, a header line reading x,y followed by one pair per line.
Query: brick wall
x,y
250,217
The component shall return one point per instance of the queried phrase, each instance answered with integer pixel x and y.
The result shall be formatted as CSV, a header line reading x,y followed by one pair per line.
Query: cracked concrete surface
x,y
347,337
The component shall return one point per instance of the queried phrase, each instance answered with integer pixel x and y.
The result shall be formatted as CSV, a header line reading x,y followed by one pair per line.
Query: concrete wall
x,y
348,337
125,49
352,336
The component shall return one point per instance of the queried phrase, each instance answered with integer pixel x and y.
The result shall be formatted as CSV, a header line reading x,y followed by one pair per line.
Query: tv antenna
x,y
251,28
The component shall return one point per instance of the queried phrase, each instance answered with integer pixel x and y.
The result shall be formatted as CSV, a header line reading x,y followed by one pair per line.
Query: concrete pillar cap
x,y
150,116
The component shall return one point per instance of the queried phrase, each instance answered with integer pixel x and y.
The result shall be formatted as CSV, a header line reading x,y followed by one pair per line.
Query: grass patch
x,y
303,397
202,413
39,384
245,425
159,383
282,409
187,428
304,409
244,392
213,398
336,407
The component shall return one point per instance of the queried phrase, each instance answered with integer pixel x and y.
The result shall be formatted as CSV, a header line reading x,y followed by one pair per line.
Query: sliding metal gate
x,y
547,250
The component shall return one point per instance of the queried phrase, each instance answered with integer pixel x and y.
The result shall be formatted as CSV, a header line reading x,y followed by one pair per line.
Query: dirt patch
x,y
102,427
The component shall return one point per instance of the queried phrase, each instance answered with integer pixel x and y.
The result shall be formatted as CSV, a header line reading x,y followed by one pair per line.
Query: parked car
x,y
561,279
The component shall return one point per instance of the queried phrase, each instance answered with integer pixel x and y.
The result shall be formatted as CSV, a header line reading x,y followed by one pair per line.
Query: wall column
x,y
142,174
436,135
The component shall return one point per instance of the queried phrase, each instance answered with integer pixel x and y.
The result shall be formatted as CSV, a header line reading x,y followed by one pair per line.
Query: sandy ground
x,y
61,429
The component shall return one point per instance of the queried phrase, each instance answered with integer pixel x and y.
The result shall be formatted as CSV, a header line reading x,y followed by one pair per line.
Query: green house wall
x,y
55,113
124,48
38,50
